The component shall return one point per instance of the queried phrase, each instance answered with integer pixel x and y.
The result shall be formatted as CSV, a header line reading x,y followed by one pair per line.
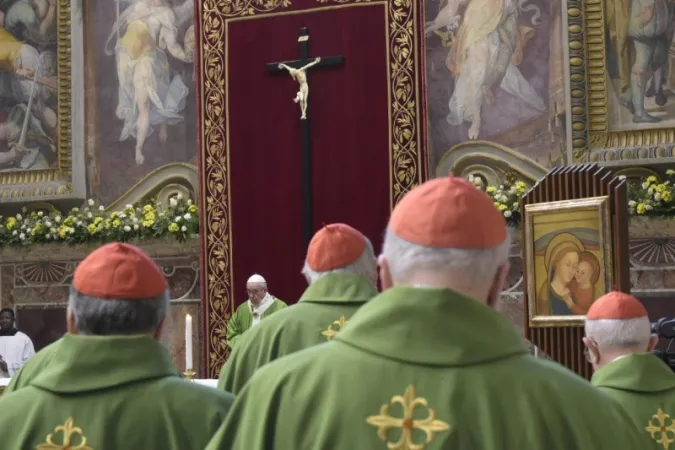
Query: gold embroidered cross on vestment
x,y
663,431
409,401
70,433
330,332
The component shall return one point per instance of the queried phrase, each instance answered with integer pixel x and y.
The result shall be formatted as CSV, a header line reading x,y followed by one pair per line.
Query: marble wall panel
x,y
35,283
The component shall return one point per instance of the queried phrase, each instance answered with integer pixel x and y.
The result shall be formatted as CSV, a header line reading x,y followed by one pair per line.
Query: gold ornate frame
x,y
598,204
405,135
592,140
67,181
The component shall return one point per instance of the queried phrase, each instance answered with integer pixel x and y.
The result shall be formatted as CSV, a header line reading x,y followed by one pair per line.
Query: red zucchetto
x,y
449,212
119,271
335,246
616,306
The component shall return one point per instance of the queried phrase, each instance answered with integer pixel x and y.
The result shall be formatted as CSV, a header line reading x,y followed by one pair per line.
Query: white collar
x,y
264,305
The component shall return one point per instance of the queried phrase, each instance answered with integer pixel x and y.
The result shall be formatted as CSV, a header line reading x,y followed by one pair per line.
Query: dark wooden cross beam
x,y
329,61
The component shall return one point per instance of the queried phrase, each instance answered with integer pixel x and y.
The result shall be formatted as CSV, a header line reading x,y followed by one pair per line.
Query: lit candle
x,y
188,342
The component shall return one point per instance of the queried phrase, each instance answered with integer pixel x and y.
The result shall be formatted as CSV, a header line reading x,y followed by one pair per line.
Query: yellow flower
x,y
641,208
502,207
651,179
148,223
116,223
174,228
69,221
670,172
11,223
147,208
114,215
488,190
63,230
98,220
149,216
660,188
91,228
193,208
521,187
666,196
36,229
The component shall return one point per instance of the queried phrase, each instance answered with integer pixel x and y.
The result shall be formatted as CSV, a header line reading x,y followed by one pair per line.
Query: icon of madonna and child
x,y
573,269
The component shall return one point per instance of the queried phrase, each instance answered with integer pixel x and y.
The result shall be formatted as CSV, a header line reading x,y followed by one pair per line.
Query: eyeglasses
x,y
252,291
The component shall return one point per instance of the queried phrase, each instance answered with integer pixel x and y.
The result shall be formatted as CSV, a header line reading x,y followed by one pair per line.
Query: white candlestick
x,y
188,342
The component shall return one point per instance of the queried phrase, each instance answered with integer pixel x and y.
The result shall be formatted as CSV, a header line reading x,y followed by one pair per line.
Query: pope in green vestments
x,y
342,272
260,304
619,341
428,363
109,384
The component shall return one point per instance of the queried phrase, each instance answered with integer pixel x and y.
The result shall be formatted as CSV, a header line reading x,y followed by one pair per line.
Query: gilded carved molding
x,y
405,141
593,140
577,67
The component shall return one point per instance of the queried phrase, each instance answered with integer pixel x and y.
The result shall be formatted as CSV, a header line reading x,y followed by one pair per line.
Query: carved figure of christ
x,y
299,71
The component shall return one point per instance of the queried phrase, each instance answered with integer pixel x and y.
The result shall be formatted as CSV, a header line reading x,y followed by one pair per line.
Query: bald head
x,y
447,233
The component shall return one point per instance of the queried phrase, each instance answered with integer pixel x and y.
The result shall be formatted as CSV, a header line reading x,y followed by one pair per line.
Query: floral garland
x,y
506,197
93,223
650,197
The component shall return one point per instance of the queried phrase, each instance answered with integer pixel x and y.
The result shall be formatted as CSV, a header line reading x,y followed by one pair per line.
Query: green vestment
x,y
324,308
422,369
111,393
242,319
645,387
33,367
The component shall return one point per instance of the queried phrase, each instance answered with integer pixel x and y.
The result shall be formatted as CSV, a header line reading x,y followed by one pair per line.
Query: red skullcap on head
x,y
448,212
616,306
119,271
335,246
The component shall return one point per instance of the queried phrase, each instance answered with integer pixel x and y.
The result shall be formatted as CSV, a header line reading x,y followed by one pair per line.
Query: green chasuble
x,y
111,393
645,387
242,319
422,369
33,367
324,308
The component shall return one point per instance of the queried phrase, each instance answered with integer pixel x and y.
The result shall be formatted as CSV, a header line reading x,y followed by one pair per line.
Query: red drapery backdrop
x,y
349,133
365,130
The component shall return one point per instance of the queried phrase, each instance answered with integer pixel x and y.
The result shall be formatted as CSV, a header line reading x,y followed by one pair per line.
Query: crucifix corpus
x,y
298,70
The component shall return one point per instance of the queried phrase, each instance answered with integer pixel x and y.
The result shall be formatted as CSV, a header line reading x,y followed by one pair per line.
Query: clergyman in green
x,y
260,305
341,270
110,384
619,344
428,363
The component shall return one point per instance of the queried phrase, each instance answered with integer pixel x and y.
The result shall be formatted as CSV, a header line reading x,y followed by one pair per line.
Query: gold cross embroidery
x,y
330,332
69,430
430,425
664,425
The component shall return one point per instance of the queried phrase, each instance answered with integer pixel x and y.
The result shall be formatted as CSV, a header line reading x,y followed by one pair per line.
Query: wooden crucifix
x,y
298,69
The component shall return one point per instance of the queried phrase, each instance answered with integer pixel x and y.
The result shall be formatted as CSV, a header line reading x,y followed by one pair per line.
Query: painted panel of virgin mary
x,y
569,265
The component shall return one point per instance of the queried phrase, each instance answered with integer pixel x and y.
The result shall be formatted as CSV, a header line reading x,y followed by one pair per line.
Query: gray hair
x,y
619,334
474,266
105,317
365,265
